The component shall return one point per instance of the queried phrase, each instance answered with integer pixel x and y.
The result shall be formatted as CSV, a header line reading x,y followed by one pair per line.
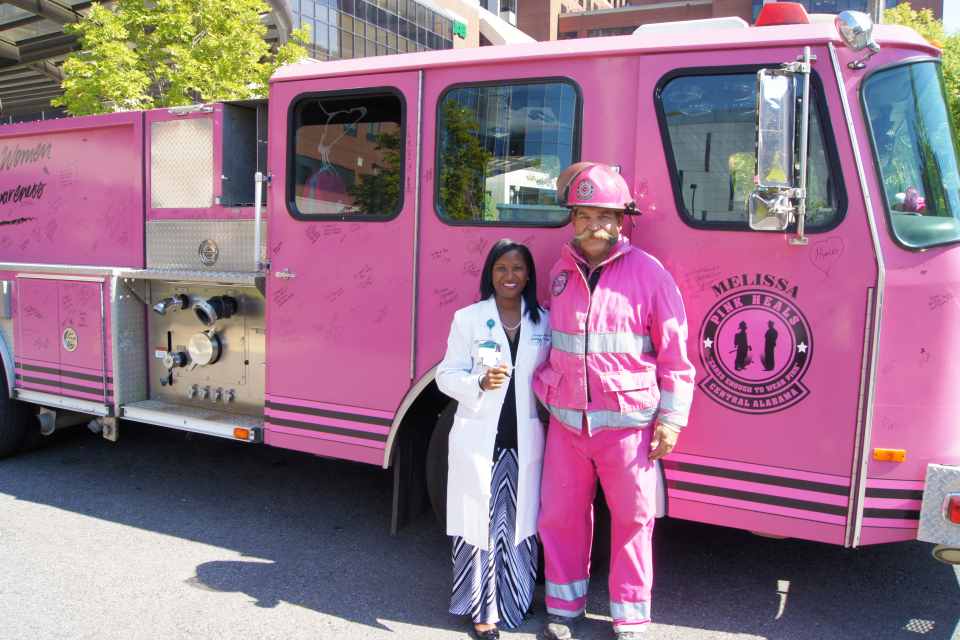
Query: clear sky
x,y
951,15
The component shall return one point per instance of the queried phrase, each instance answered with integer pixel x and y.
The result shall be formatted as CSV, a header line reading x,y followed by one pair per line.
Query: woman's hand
x,y
495,378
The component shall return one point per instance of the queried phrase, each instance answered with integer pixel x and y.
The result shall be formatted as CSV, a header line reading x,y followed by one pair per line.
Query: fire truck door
x,y
776,330
341,245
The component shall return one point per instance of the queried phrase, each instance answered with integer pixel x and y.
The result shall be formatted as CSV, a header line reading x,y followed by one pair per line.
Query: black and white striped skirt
x,y
496,587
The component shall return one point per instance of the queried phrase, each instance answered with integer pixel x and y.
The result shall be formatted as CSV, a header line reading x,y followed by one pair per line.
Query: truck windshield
x,y
916,152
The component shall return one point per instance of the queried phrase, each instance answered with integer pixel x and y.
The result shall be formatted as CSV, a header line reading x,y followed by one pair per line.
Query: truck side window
x,y
711,126
916,153
500,149
335,171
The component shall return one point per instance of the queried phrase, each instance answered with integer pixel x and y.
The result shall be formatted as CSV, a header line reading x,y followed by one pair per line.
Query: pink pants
x,y
572,463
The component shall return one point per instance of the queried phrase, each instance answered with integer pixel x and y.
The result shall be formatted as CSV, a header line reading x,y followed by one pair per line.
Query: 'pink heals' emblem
x,y
560,283
756,347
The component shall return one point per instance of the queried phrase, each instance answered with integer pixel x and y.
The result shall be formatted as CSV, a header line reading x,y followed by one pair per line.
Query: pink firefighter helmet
x,y
590,184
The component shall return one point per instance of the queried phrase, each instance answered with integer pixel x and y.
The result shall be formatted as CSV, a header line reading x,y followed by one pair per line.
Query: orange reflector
x,y
890,455
242,434
952,512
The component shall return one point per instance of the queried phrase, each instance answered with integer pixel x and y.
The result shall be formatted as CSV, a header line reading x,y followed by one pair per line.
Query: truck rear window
x,y
711,126
500,149
346,156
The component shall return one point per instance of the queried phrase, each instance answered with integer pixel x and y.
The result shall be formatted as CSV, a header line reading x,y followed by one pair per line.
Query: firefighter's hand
x,y
495,378
664,439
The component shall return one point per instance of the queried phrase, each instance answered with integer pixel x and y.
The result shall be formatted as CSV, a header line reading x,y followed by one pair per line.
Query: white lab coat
x,y
474,432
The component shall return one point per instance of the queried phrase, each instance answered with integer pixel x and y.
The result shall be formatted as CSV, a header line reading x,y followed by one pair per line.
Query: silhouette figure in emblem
x,y
742,348
769,342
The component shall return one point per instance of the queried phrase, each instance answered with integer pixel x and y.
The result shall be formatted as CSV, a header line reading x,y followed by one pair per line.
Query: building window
x,y
335,172
613,31
500,150
711,124
568,35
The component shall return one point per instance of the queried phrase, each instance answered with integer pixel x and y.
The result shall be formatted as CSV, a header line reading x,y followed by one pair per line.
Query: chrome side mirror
x,y
856,31
776,128
769,211
771,207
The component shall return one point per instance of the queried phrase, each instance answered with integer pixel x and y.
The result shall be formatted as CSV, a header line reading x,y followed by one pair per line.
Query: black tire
x,y
437,462
33,439
15,417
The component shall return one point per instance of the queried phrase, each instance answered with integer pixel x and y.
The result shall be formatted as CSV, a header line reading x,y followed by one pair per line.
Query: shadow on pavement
x,y
317,532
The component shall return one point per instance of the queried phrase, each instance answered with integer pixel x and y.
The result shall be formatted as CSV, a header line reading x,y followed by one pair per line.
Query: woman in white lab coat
x,y
496,443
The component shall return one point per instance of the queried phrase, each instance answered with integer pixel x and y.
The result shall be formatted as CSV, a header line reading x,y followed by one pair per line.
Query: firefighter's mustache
x,y
595,233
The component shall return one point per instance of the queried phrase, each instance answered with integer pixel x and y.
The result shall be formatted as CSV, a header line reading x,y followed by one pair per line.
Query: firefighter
x,y
618,382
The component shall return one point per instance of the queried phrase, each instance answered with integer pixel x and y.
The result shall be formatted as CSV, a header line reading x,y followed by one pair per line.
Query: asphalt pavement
x,y
168,536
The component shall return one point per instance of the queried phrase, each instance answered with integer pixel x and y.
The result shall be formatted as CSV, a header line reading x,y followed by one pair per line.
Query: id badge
x,y
488,352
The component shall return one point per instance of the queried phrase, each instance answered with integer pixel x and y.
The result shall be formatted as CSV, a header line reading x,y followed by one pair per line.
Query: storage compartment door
x,y
81,330
38,357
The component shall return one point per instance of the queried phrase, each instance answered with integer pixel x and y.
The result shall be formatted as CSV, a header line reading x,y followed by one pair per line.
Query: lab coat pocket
x,y
627,391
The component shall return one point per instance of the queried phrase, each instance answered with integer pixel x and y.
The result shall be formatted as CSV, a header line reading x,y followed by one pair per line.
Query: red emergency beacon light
x,y
777,13
951,510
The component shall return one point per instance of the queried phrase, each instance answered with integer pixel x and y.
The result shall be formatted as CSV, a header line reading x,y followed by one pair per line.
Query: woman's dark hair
x,y
529,293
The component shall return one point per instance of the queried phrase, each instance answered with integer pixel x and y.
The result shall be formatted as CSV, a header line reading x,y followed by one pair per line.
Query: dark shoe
x,y
489,634
559,627
631,635
529,613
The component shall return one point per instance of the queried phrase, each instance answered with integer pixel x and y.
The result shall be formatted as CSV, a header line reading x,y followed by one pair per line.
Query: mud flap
x,y
410,497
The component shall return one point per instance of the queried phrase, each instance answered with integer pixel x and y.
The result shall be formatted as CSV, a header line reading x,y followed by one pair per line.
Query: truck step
x,y
195,419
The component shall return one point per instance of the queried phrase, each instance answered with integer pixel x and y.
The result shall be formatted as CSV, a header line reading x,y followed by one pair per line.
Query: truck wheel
x,y
32,438
15,417
437,462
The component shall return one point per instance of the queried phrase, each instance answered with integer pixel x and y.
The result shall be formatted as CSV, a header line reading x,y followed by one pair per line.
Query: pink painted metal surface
x,y
38,323
71,191
340,332
79,309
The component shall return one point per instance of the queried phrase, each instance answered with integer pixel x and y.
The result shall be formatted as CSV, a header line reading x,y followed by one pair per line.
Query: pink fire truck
x,y
284,271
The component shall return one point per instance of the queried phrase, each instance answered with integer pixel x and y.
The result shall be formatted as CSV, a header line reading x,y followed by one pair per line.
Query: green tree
x,y
164,53
463,164
379,191
933,31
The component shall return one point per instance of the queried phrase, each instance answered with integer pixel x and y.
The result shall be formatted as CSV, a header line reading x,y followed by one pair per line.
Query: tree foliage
x,y
934,32
165,53
463,164
379,192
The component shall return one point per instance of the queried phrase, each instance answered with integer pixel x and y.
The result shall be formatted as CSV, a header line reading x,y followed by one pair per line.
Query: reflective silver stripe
x,y
568,342
629,611
627,343
616,420
563,613
569,417
632,628
568,592
677,406
619,343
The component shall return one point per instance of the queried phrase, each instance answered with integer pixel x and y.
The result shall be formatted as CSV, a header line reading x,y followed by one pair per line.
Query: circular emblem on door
x,y
209,252
69,339
755,346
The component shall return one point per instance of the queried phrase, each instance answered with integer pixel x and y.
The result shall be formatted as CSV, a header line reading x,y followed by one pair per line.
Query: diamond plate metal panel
x,y
200,413
941,480
6,333
28,267
129,346
181,164
175,244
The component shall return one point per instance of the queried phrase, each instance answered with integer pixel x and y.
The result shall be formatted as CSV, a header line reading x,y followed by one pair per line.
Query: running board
x,y
62,402
195,420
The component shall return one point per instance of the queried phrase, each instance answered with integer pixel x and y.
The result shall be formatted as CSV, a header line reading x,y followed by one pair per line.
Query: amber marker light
x,y
890,455
241,434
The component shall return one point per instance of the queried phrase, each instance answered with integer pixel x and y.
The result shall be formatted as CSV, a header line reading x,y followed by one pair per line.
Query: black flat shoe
x,y
489,634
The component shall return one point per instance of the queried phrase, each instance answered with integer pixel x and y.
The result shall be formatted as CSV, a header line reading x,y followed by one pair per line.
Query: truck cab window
x,y
500,150
711,126
916,153
337,172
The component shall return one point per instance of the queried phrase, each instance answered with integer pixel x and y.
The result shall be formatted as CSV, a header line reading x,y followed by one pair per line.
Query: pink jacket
x,y
628,339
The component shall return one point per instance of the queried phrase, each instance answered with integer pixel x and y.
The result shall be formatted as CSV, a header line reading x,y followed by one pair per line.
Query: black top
x,y
507,427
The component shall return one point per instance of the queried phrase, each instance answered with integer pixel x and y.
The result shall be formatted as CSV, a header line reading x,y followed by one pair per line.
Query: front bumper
x,y
942,480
